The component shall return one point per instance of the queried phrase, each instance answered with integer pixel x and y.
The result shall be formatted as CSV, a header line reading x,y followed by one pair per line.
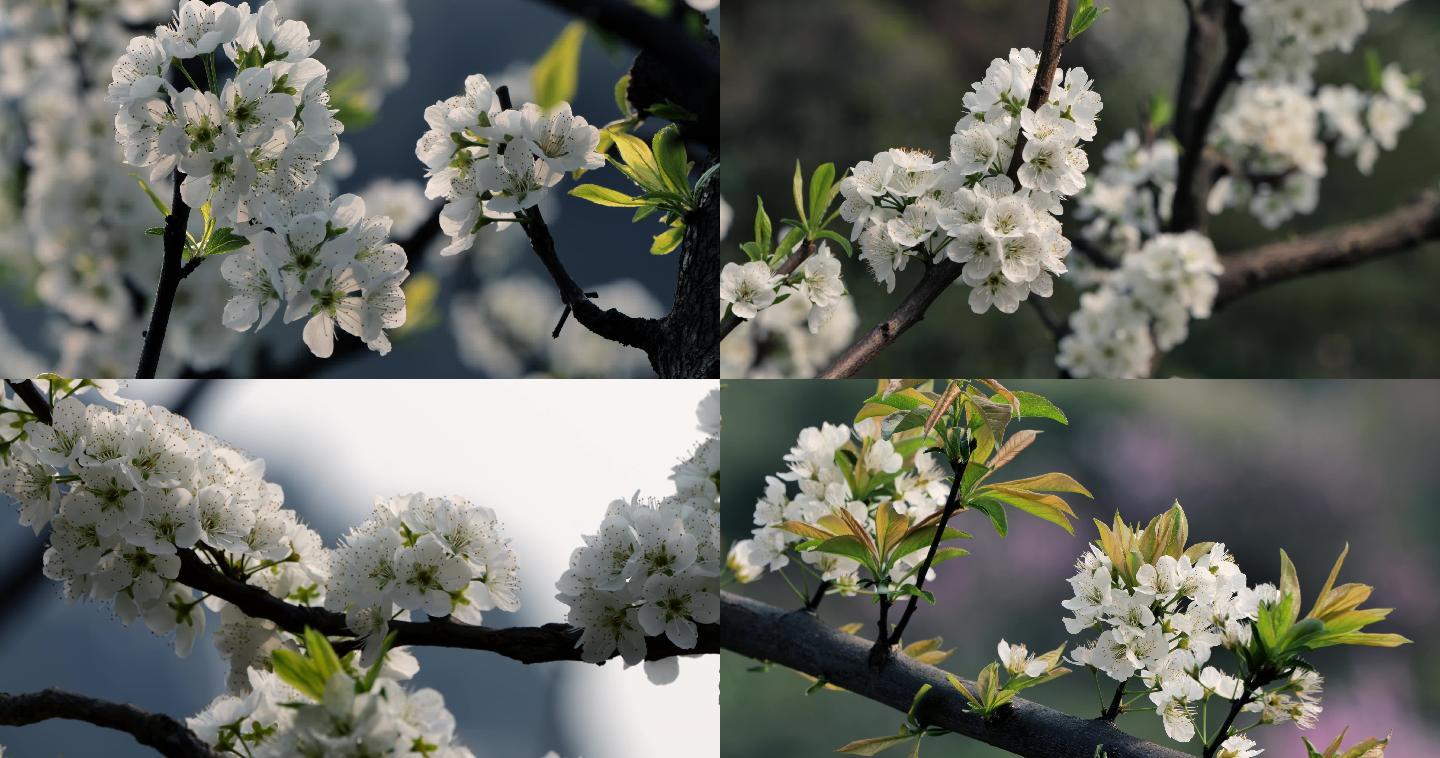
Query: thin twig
x,y
787,268
952,506
33,398
1235,707
1116,703
1187,208
170,276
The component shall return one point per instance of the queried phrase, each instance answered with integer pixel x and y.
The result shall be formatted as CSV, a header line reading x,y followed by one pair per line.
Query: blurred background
x,y
840,80
485,312
1258,465
334,446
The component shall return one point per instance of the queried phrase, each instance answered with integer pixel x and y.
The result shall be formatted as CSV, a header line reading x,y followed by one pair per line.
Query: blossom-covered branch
x,y
802,642
940,276
154,730
542,644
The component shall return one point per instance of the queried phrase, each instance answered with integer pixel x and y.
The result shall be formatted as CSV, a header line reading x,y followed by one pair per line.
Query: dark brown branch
x,y
940,276
1235,708
1402,229
170,276
166,735
1196,109
1116,704
952,505
1055,28
33,398
551,642
802,642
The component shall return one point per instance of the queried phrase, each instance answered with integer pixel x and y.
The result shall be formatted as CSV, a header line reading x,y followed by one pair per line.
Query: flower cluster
x,y
913,484
329,263
651,568
1161,609
1145,304
262,136
490,163
351,716
1286,36
126,490
904,204
1362,123
251,160
1160,622
815,284
79,230
1130,199
441,555
1272,164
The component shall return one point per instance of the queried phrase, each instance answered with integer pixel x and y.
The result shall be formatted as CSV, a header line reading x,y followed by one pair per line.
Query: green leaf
x,y
1161,111
666,241
995,510
798,189
225,240
874,745
1085,15
820,183
920,539
764,231
326,662
671,112
622,95
788,243
605,196
837,239
1037,406
1374,68
156,231
154,198
374,672
299,672
910,589
1290,585
557,74
669,152
948,553
636,156
915,703
844,545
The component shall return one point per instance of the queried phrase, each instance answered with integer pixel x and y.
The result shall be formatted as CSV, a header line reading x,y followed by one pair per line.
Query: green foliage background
x,y
839,80
1259,465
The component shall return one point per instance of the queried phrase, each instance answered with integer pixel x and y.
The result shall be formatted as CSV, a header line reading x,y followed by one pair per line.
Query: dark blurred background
x,y
840,80
1258,465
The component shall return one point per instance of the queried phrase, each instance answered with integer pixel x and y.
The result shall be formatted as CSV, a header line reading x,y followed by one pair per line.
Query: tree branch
x,y
1044,76
163,733
170,276
33,398
1197,109
951,507
551,642
802,642
940,276
1402,229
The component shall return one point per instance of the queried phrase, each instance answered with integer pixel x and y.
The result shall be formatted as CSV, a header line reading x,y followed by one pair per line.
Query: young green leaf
x,y
606,196
557,74
665,242
669,152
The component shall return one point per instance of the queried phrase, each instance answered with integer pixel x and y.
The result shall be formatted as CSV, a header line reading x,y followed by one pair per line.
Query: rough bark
x,y
1402,229
800,641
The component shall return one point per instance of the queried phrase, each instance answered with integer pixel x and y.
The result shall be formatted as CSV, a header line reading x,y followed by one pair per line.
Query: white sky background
x,y
547,455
